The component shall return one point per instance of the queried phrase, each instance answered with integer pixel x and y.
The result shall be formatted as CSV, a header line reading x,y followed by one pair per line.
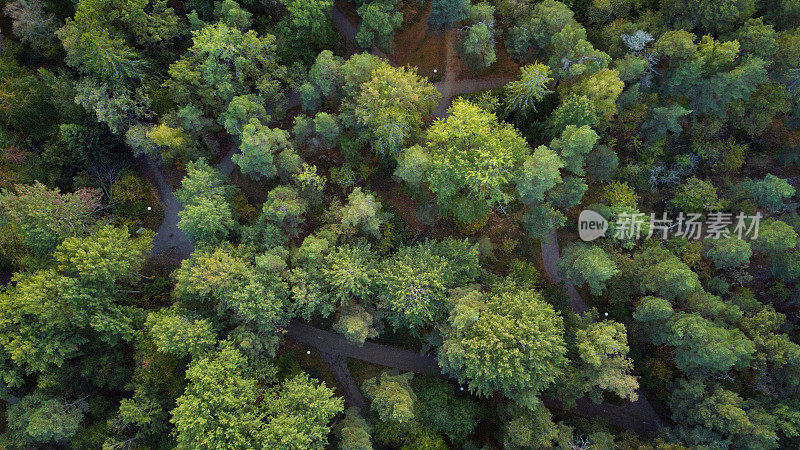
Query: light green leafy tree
x,y
390,105
355,432
363,212
176,333
729,253
574,145
391,396
224,405
266,152
45,217
509,341
474,161
603,350
356,324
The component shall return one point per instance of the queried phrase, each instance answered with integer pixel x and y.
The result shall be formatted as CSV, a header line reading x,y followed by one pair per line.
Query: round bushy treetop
x,y
696,196
349,270
768,192
775,237
729,253
474,160
575,110
390,105
509,341
391,395
588,264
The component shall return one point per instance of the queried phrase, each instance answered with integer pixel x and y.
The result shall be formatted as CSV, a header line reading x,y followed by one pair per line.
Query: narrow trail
x,y
169,238
550,257
634,416
335,349
641,410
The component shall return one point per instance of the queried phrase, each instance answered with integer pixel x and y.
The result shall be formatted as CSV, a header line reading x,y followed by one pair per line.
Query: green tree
x,y
729,253
223,63
573,145
774,237
540,173
178,334
350,272
233,288
242,110
541,219
224,405
511,341
569,193
602,163
446,13
32,25
379,18
442,409
533,85
576,110
95,51
285,209
305,29
48,317
266,152
664,120
663,274
327,128
700,345
391,396
355,432
696,196
768,192
45,217
474,160
175,143
37,420
415,280
411,166
310,184
602,89
390,105
326,74
356,324
603,350
207,220
117,106
709,414
477,46
201,180
534,428
363,212
588,264
231,14
107,256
